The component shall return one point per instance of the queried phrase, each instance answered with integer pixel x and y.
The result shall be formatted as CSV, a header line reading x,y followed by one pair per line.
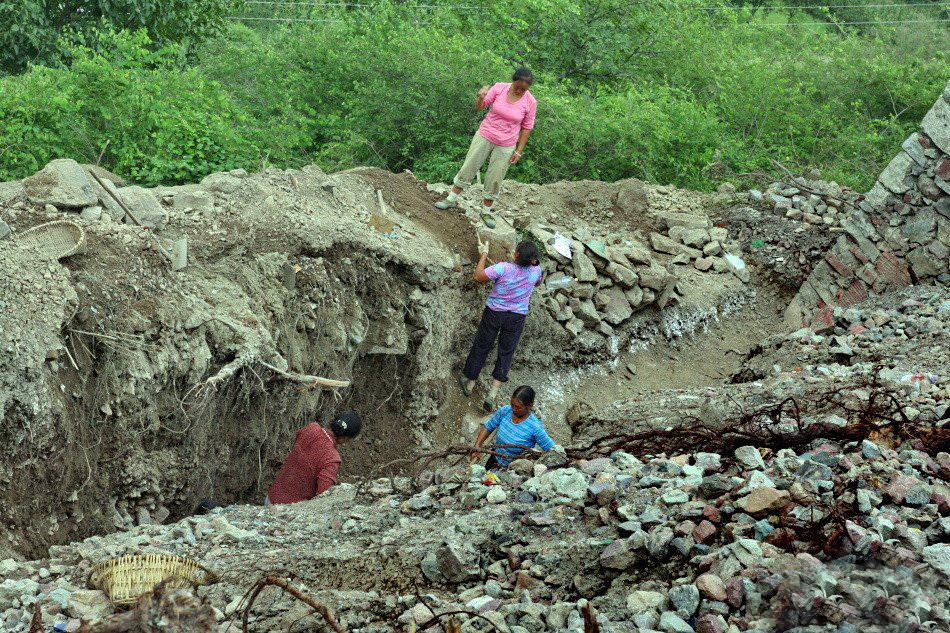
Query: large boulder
x,y
62,183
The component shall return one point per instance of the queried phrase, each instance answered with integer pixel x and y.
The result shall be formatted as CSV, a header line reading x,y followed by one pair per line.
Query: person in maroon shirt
x,y
314,462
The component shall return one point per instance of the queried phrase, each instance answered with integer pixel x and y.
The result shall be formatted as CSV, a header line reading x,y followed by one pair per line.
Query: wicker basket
x,y
126,578
54,240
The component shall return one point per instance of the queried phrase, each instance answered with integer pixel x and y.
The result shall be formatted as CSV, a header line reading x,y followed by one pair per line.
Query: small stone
x,y
617,555
711,623
938,556
640,601
764,499
685,598
672,623
704,531
711,586
750,457
4,230
496,494
92,214
870,450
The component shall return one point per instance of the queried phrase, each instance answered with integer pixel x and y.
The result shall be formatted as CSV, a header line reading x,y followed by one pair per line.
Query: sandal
x,y
467,386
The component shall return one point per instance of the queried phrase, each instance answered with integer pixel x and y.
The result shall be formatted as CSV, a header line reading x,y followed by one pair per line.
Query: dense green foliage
x,y
660,91
42,31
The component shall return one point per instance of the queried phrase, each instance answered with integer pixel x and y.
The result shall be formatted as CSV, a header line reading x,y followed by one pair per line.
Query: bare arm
x,y
480,98
480,275
522,141
483,434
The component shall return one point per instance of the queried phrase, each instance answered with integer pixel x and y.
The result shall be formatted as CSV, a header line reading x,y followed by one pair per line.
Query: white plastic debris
x,y
562,245
735,261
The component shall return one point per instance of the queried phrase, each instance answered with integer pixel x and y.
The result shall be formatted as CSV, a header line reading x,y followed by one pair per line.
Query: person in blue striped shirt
x,y
517,426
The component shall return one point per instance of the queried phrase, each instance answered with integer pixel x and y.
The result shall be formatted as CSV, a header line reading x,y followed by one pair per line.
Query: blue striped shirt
x,y
527,433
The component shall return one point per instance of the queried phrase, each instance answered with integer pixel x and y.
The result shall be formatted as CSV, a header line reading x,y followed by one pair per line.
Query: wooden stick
x,y
128,212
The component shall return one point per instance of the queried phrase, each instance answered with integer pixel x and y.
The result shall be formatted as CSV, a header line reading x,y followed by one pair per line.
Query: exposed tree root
x,y
285,586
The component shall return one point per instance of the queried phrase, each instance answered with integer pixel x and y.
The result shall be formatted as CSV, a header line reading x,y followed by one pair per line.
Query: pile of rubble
x,y
849,535
907,331
601,285
897,235
811,201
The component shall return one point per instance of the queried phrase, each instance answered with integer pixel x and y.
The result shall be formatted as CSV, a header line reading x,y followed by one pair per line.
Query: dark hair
x,y
523,74
346,424
206,506
526,254
525,395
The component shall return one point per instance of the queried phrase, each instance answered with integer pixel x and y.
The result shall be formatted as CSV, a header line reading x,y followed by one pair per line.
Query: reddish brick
x,y
867,274
838,265
857,293
857,252
943,169
823,320
892,272
856,329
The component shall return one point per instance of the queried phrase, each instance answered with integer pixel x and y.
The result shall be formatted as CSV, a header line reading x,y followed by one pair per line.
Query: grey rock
x,y
672,623
750,457
938,556
584,269
685,599
892,178
616,309
144,206
4,230
645,601
92,214
63,183
936,124
870,450
451,562
658,540
618,555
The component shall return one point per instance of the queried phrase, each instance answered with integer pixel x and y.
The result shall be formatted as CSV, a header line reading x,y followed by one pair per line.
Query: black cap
x,y
346,424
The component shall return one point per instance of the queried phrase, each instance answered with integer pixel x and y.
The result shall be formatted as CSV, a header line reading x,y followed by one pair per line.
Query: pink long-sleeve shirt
x,y
505,120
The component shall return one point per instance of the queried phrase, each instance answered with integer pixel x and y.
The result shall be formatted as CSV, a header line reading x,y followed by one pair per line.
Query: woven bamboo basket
x,y
126,578
54,240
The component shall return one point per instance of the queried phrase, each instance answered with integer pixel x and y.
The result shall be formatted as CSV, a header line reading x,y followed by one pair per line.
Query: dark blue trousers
x,y
507,328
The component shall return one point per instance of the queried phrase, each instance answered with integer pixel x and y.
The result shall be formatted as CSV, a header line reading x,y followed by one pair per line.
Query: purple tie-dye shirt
x,y
513,286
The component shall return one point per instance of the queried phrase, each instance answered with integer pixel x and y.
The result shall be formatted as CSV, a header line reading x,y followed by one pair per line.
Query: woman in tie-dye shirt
x,y
503,317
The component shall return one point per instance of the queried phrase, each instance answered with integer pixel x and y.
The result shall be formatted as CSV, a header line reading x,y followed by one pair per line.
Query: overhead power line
x,y
242,17
826,6
358,4
829,23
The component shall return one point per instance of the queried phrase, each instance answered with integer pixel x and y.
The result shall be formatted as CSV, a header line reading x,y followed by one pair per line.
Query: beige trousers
x,y
480,149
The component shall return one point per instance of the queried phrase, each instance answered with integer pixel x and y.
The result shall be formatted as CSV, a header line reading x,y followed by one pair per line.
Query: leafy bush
x,y
654,90
38,31
131,109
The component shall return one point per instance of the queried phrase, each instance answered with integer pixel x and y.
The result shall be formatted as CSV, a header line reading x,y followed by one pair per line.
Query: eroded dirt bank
x,y
130,391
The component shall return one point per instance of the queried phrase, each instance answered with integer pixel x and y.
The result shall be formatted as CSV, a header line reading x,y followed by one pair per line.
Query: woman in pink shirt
x,y
501,137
